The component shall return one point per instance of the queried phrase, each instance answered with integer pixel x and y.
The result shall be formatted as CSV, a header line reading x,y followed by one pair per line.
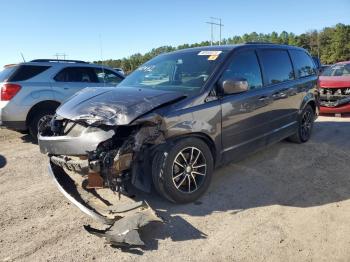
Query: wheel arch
x,y
202,136
312,103
39,106
309,101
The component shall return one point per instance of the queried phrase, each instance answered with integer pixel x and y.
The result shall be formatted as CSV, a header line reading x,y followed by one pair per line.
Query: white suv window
x,y
107,76
77,74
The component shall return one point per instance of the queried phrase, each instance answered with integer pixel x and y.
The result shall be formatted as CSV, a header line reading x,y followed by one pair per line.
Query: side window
x,y
77,74
245,65
303,64
25,72
107,76
277,65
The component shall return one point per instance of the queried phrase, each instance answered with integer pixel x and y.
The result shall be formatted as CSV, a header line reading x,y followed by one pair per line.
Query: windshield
x,y
186,72
337,70
6,73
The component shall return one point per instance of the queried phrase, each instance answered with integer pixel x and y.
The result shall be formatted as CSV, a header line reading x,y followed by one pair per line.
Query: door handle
x,y
283,95
279,95
263,98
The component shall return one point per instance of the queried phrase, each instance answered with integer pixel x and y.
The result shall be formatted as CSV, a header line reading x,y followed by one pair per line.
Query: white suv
x,y
32,91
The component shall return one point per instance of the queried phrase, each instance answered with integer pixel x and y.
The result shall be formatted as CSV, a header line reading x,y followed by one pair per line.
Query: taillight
x,y
8,91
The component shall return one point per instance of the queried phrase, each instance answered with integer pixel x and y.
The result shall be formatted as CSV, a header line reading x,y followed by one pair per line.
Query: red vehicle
x,y
334,85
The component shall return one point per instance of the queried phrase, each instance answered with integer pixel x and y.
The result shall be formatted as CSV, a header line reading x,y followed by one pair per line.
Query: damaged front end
x,y
334,97
93,165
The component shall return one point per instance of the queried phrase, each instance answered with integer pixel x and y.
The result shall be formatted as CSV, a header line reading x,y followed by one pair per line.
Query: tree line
x,y
331,45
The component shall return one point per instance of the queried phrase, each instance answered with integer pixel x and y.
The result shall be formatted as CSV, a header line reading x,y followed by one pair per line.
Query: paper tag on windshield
x,y
210,53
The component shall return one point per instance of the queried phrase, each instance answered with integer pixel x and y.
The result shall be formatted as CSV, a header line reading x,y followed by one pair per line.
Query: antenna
x,y
23,57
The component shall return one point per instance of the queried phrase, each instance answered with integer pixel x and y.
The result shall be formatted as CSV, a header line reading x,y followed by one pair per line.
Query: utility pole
x,y
211,32
212,23
60,55
318,44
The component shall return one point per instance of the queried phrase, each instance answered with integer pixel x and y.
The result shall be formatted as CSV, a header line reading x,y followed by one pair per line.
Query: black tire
x,y
305,126
188,176
37,118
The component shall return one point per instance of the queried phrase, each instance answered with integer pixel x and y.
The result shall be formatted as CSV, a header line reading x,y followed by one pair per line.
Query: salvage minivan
x,y
180,115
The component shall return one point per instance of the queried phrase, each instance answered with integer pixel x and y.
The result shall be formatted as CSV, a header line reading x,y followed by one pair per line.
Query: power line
x,y
212,23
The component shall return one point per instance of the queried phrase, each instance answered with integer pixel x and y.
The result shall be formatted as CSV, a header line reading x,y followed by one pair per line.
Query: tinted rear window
x,y
277,66
25,72
6,73
303,63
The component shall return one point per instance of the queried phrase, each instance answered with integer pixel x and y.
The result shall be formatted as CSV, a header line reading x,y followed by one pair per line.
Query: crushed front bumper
x,y
79,144
69,189
124,218
335,110
335,100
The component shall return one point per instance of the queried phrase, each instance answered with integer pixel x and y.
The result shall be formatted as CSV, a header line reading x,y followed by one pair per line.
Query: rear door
x,y
72,79
306,74
279,79
245,116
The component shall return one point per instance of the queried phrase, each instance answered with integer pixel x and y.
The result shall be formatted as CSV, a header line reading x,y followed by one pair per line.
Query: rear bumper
x,y
2,106
15,125
335,110
5,121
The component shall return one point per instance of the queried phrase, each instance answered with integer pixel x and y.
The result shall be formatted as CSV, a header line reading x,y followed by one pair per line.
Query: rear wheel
x,y
183,171
37,119
305,126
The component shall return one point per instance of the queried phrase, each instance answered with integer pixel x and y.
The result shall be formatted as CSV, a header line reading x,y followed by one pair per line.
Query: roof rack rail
x,y
259,43
59,61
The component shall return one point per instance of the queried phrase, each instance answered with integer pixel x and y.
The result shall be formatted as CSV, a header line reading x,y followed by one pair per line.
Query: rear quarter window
x,y
303,63
26,72
6,73
277,65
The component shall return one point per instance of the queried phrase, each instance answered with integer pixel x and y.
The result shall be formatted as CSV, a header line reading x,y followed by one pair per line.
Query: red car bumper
x,y
335,110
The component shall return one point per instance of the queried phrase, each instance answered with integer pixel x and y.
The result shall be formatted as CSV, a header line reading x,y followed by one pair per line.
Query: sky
x,y
81,29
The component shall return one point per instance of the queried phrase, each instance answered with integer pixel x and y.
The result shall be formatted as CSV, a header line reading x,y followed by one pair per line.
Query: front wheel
x,y
305,126
182,172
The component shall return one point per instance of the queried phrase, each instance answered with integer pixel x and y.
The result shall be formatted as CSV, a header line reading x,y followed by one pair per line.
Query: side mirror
x,y
233,86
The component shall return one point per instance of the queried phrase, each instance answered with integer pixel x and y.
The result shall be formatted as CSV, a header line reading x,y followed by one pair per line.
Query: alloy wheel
x,y
306,124
189,170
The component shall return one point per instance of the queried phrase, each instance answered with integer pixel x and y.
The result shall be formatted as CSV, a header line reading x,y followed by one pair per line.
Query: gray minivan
x,y
207,106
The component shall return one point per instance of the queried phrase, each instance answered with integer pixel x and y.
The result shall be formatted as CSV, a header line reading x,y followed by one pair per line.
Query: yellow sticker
x,y
213,57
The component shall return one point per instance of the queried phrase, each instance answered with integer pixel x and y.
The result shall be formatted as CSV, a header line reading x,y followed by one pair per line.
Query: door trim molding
x,y
258,137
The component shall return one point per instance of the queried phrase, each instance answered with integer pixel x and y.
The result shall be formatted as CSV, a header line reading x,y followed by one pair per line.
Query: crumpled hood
x,y
114,105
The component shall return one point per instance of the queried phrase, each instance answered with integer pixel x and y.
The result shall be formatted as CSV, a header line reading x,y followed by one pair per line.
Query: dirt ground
x,y
288,202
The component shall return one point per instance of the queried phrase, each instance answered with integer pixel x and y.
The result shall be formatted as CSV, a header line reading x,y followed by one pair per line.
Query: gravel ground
x,y
286,203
